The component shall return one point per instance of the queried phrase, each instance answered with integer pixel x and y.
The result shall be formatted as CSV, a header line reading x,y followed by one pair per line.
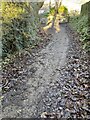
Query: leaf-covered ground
x,y
53,80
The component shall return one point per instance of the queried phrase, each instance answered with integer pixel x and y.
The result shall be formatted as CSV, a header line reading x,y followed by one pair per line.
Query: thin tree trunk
x,y
57,4
50,5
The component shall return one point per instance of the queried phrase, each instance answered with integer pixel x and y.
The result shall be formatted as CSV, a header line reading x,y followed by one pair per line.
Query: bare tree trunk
x,y
50,5
57,4
60,3
54,18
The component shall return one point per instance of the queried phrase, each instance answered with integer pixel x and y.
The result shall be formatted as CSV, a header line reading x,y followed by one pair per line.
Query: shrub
x,y
19,28
80,23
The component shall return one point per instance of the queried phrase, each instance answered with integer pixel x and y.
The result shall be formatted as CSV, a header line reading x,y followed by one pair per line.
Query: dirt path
x,y
45,66
47,87
50,59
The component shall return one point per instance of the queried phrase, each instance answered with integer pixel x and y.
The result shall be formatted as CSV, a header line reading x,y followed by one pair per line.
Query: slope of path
x,y
48,60
51,58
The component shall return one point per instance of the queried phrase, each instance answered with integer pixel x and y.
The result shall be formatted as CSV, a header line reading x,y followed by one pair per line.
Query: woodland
x,y
45,60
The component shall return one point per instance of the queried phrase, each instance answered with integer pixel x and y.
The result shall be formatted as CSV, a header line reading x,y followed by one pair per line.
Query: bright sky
x,y
72,4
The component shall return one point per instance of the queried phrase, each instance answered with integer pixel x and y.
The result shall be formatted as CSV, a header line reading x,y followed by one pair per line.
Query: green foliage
x,y
52,11
80,23
11,10
19,28
63,10
62,14
46,14
85,8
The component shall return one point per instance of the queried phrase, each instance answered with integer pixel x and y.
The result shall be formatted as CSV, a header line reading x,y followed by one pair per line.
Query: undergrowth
x,y
19,28
80,24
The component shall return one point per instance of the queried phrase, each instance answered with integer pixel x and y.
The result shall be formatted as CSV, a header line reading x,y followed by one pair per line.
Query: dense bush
x,y
19,27
80,23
